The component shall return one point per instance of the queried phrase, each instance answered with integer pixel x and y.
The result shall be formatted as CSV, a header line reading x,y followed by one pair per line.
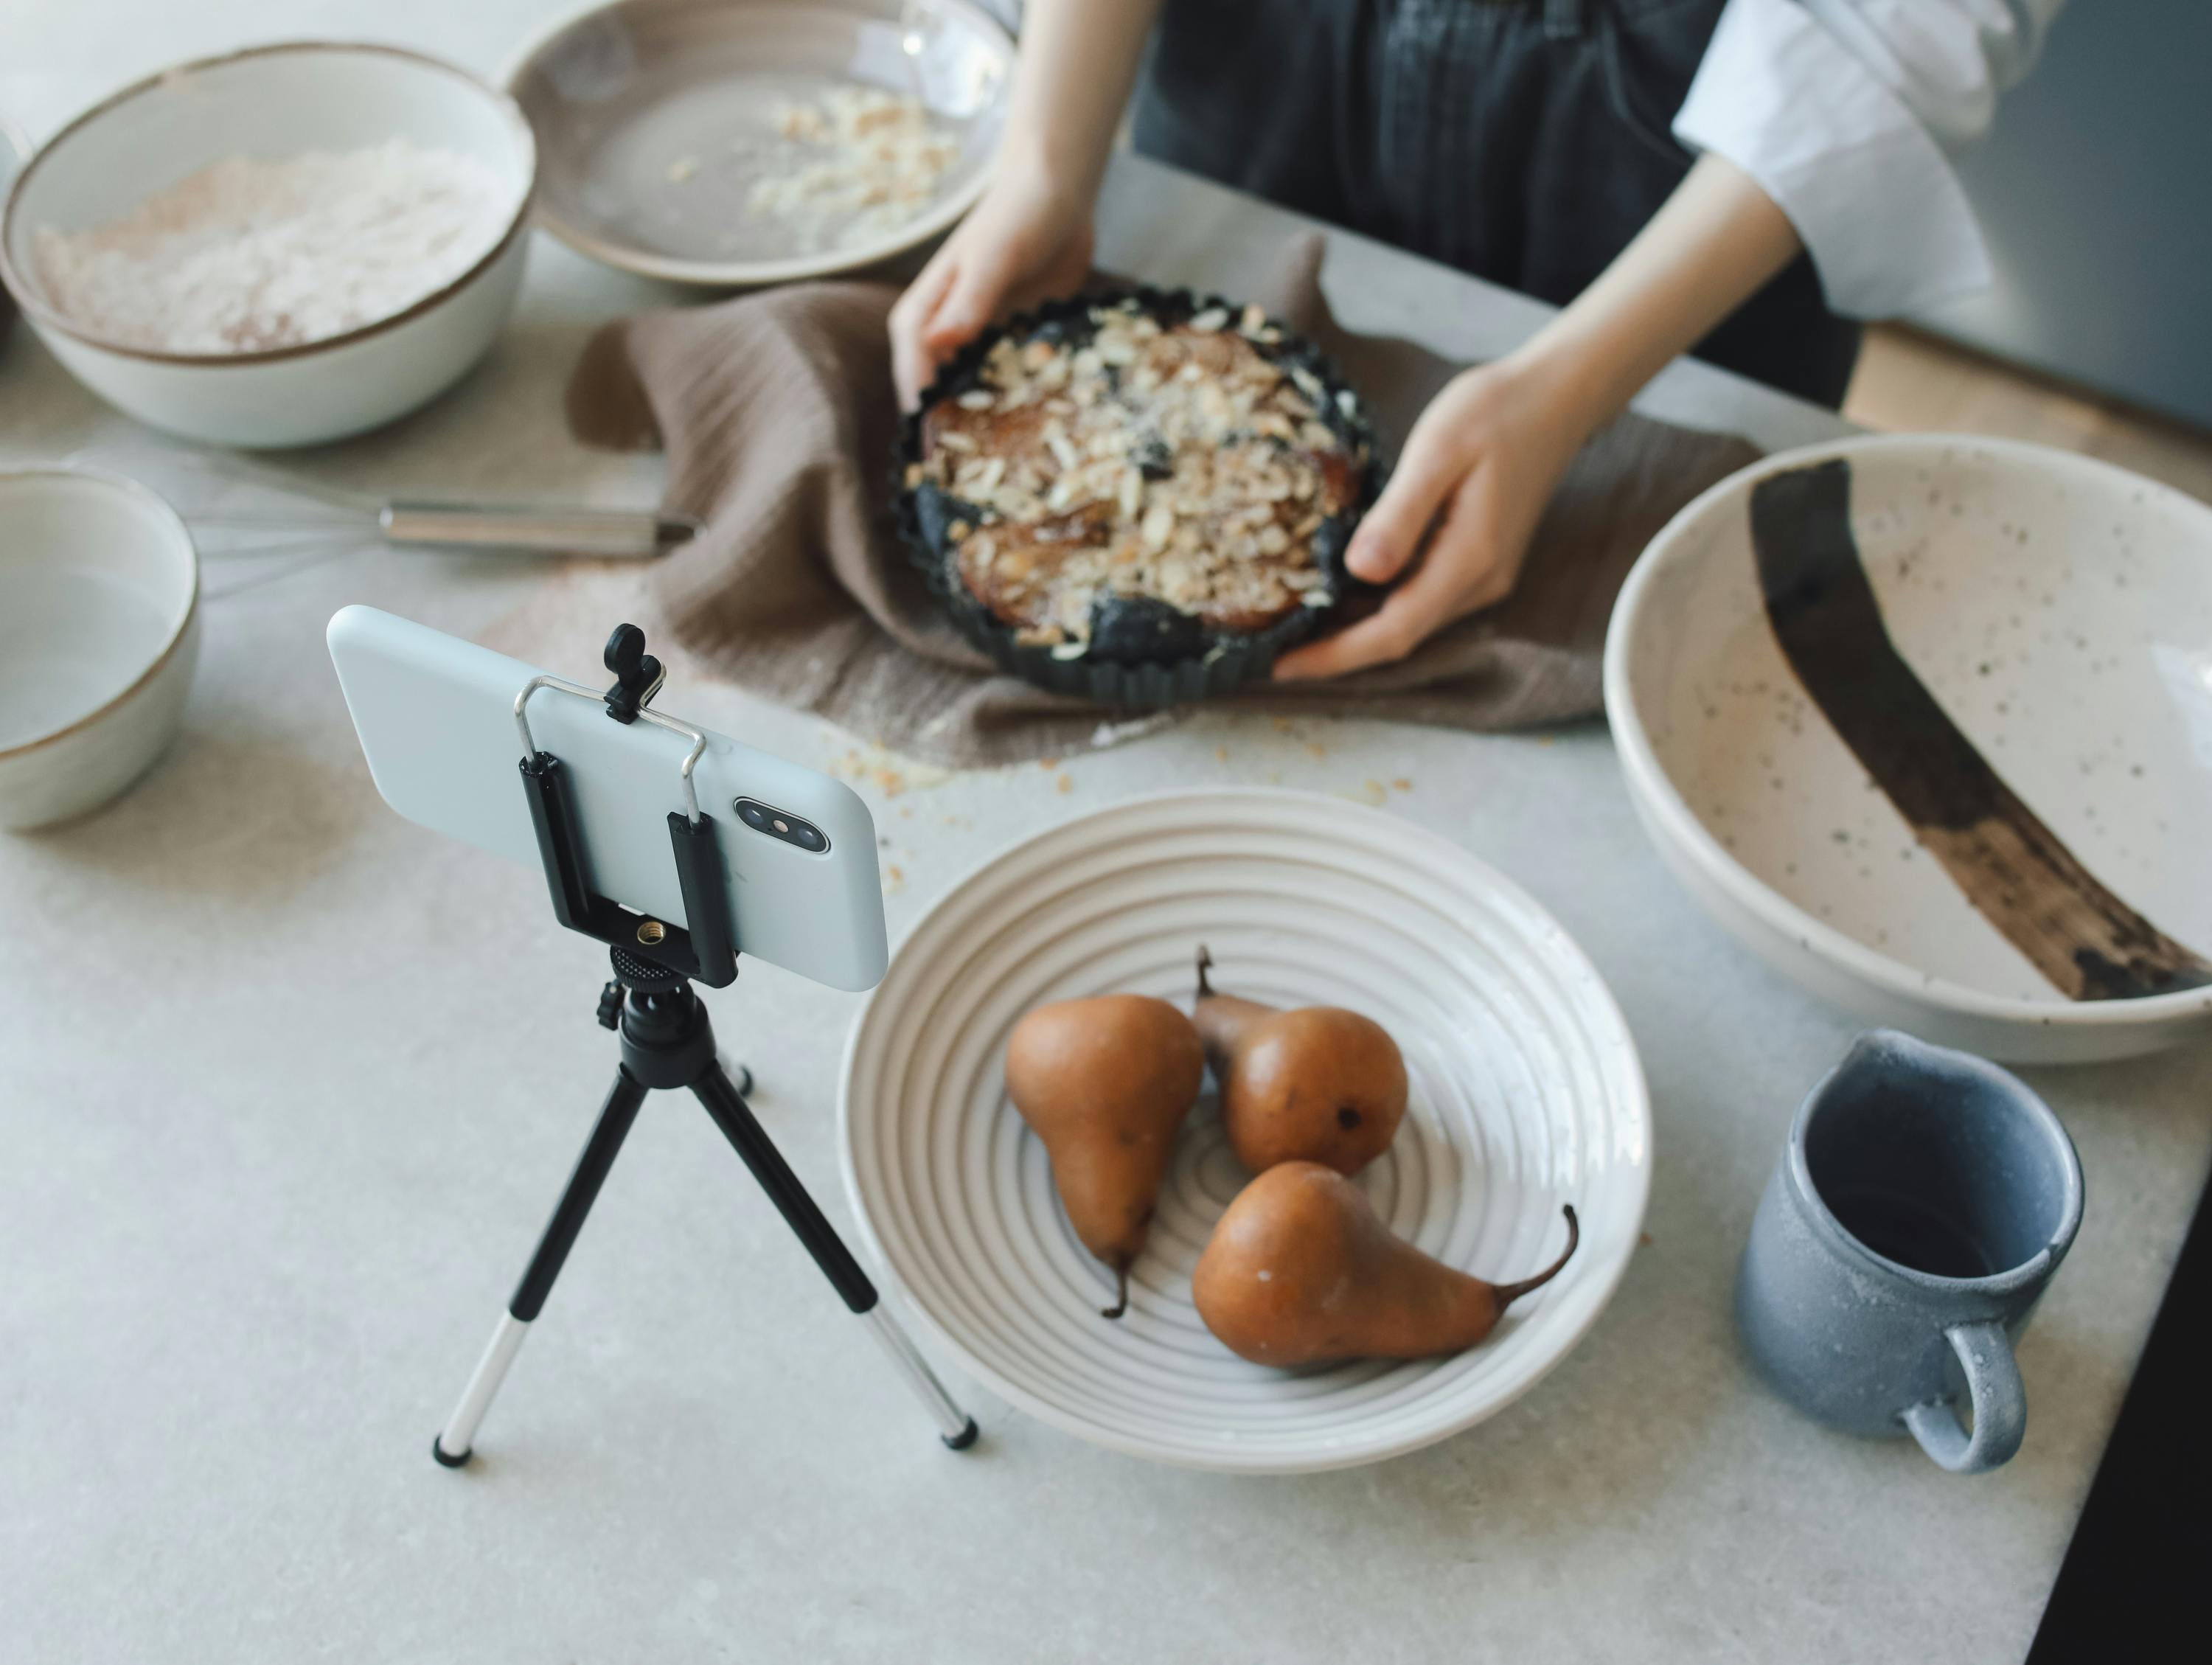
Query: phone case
x,y
436,720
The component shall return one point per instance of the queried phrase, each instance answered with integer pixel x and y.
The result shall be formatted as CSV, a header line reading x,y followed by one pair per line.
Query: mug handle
x,y
1999,1402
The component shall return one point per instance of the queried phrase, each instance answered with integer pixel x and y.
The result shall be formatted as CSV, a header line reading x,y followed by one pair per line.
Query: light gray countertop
x,y
290,1085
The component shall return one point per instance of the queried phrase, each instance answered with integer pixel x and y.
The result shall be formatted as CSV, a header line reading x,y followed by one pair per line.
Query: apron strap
x,y
1563,19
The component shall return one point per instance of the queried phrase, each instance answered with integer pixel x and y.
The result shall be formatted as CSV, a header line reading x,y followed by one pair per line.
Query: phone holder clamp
x,y
703,949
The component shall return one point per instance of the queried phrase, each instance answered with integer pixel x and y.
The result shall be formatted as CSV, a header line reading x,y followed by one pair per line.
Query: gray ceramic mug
x,y
1924,1201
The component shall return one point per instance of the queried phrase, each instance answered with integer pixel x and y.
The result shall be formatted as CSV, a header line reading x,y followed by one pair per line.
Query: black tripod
x,y
667,1042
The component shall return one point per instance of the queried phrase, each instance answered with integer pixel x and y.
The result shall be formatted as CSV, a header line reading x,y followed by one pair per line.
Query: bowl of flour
x,y
278,247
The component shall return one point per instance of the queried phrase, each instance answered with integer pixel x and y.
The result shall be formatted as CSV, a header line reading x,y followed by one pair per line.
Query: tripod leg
x,y
954,1426
452,1446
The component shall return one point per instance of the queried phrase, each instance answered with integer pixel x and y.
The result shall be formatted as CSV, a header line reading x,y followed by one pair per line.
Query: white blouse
x,y
1849,113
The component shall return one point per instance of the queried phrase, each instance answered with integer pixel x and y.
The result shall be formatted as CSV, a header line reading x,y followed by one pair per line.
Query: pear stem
x,y
1205,965
1120,1294
1508,1293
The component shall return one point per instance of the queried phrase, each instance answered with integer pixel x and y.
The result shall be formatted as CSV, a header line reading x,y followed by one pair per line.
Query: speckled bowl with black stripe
x,y
1143,654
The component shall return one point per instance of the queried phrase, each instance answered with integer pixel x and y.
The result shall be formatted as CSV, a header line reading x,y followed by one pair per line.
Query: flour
x,y
244,255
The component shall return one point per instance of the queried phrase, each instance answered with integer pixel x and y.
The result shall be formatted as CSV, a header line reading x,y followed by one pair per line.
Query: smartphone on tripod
x,y
639,820
436,718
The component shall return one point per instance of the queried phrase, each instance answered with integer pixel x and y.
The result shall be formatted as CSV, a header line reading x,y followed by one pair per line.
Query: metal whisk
x,y
547,529
315,521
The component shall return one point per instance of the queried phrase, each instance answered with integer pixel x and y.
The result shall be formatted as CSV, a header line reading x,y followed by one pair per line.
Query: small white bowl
x,y
98,638
2059,612
274,102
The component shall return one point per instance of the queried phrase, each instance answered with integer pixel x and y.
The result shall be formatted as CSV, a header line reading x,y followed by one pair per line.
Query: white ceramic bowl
x,y
98,638
2059,610
1526,1094
273,102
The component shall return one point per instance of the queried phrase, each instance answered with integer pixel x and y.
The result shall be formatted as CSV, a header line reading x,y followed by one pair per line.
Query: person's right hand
x,y
1027,238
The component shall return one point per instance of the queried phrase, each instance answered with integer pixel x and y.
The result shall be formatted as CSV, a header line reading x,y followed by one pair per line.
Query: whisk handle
x,y
553,531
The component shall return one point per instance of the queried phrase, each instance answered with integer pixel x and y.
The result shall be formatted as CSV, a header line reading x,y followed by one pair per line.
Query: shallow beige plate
x,y
654,122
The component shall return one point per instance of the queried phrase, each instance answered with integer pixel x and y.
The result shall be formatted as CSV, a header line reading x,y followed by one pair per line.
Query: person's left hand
x,y
1479,465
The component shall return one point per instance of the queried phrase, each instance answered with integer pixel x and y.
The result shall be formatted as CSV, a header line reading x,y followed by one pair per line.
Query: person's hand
x,y
1027,238
1478,467
1483,460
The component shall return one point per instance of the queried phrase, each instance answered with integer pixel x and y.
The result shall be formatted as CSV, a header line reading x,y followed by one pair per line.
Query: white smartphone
x,y
436,715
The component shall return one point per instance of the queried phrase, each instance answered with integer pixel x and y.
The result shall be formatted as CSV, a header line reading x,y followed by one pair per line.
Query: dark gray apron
x,y
1523,141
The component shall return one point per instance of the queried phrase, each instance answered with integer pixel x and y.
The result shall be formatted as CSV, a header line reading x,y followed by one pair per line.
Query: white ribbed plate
x,y
1527,1093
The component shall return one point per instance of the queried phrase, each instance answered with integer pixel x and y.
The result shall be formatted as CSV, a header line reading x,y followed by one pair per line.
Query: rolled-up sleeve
x,y
1848,113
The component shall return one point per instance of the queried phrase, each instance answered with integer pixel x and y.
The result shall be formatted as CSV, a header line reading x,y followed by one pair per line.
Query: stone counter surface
x,y
288,1085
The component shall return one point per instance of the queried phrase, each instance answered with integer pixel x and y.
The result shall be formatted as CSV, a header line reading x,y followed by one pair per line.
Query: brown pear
x,y
1300,1270
1105,1083
1317,1084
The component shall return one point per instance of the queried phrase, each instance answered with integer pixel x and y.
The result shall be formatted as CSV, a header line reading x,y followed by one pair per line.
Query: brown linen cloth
x,y
778,416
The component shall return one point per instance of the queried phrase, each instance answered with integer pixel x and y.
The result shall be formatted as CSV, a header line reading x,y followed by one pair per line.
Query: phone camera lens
x,y
809,838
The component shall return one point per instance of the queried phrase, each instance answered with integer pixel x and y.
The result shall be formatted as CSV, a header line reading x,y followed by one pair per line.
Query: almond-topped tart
x,y
1142,498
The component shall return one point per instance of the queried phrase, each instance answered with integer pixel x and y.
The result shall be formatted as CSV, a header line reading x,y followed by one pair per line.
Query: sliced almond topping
x,y
1159,526
1131,493
1226,438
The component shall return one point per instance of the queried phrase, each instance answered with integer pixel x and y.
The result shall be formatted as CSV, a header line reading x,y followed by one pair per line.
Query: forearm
x,y
1714,244
1079,60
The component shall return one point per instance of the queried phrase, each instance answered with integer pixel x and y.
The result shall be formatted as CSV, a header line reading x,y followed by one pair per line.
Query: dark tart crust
x,y
1143,498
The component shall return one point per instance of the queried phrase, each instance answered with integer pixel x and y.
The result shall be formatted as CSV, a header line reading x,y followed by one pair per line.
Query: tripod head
x,y
666,1040
642,977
